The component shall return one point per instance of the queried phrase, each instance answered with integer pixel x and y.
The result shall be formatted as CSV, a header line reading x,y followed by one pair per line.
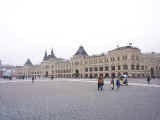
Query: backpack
x,y
100,81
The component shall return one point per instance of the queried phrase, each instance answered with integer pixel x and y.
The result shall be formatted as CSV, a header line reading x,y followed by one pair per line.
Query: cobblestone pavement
x,y
76,100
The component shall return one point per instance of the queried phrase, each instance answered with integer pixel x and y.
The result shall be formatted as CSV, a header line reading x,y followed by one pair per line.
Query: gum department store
x,y
126,59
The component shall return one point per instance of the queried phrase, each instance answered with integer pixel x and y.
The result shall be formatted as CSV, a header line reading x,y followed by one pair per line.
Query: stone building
x,y
126,59
6,71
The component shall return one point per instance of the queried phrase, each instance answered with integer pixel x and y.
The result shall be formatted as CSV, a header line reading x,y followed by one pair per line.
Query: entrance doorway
x,y
46,74
77,73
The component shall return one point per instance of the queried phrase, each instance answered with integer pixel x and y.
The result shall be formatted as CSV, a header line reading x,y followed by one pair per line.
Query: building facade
x,y
127,59
6,71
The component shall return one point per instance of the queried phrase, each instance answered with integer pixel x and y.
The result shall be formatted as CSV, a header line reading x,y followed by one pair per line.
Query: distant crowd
x,y
120,80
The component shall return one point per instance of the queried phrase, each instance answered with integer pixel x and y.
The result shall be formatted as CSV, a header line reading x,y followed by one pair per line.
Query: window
x,y
119,67
95,69
113,59
142,67
106,60
106,68
90,69
101,69
112,67
137,67
132,67
86,69
125,67
124,57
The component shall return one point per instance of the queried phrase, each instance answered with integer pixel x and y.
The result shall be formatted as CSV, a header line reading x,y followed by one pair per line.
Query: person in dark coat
x,y
32,79
100,83
148,79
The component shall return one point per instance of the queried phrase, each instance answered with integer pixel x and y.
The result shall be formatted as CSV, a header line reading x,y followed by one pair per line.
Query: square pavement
x,y
77,100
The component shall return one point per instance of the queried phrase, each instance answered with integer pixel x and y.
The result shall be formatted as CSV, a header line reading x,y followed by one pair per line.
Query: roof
x,y
28,62
51,56
81,52
125,47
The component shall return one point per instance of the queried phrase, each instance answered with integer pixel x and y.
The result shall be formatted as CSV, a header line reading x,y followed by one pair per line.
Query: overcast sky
x,y
29,27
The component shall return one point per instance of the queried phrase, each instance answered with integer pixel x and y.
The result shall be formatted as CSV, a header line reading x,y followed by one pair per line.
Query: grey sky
x,y
29,27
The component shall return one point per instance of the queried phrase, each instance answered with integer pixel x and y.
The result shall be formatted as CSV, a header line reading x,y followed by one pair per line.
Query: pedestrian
x,y
112,83
118,83
121,79
100,83
125,79
148,79
32,79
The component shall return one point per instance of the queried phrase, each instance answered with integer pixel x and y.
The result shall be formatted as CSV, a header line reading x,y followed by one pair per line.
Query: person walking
x,y
118,83
32,79
148,79
112,83
125,79
100,83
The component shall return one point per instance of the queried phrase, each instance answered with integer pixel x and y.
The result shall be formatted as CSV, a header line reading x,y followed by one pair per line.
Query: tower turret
x,y
81,52
45,56
52,54
28,62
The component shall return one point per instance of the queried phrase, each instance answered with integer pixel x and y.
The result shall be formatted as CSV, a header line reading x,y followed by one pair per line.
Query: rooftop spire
x,y
45,55
52,54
